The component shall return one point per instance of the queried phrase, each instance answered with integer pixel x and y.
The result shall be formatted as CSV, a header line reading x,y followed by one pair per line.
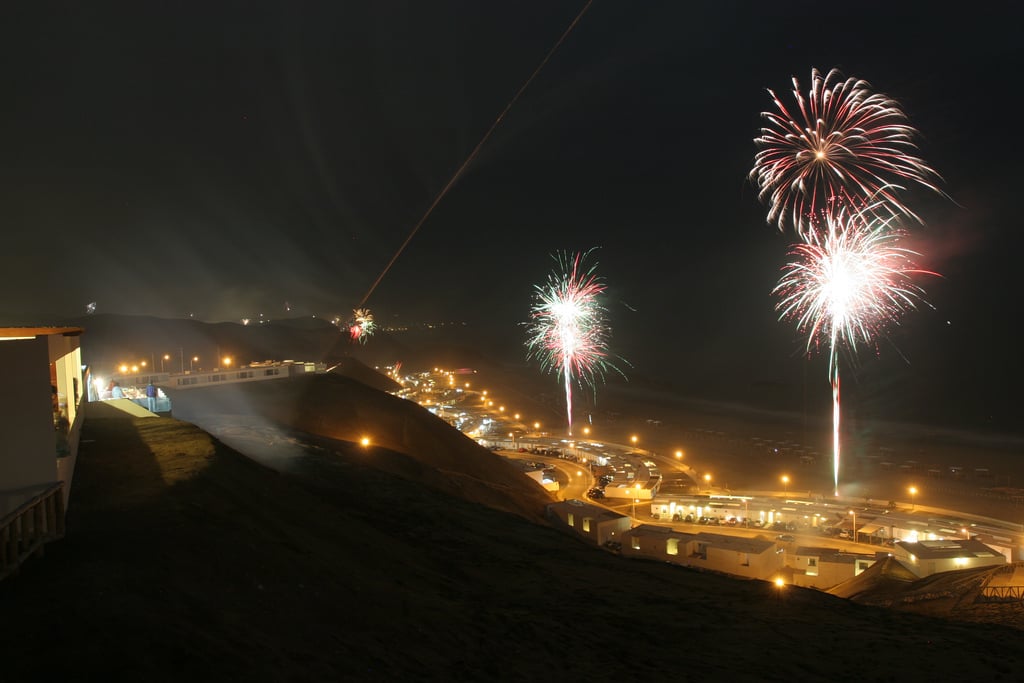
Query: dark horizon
x,y
875,397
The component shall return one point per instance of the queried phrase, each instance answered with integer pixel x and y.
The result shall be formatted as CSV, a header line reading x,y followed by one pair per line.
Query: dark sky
x,y
220,159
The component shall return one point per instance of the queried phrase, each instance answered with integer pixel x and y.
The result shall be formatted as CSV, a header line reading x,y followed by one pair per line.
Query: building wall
x,y
65,354
829,574
29,445
612,529
753,566
657,546
927,566
590,521
66,357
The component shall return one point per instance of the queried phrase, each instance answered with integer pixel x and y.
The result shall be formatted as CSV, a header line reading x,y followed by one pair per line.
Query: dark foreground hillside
x,y
186,561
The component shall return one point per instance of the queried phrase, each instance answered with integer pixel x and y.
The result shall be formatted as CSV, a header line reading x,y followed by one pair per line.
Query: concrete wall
x,y
829,573
28,445
65,354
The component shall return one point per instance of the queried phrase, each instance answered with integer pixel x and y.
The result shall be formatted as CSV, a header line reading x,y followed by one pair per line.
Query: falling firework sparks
x,y
845,286
362,325
844,144
568,333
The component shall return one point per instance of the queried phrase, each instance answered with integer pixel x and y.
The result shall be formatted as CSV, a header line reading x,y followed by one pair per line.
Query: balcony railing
x,y
25,531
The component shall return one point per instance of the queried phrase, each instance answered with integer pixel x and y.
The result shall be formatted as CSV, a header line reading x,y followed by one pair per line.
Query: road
x,y
479,414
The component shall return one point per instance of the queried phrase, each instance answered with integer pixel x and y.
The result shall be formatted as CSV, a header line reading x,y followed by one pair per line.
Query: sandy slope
x,y
187,561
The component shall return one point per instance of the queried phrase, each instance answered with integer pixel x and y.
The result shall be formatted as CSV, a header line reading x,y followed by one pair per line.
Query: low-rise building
x,y
657,543
594,523
817,567
753,558
39,410
925,558
41,423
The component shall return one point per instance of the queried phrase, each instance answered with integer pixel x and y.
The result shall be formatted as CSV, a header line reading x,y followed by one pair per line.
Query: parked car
x,y
787,538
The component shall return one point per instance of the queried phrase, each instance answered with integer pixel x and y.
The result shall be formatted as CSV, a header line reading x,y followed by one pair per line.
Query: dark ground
x,y
186,561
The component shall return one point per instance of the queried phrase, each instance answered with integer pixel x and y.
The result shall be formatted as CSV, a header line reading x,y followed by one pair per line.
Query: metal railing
x,y
25,531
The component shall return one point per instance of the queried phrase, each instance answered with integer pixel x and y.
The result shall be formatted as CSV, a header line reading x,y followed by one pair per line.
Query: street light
x,y
707,480
785,482
166,357
854,513
194,359
227,361
913,493
635,499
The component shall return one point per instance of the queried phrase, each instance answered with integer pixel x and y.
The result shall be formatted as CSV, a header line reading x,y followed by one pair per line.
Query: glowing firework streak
x,y
844,287
568,333
472,155
843,144
362,325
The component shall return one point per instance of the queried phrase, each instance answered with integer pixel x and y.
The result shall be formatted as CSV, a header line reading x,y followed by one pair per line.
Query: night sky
x,y
226,159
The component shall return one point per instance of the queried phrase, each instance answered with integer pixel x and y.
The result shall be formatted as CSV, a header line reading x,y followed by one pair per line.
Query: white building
x,y
925,558
596,524
41,422
817,567
752,558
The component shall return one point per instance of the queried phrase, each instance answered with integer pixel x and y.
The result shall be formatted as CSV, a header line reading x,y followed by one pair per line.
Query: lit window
x,y
672,546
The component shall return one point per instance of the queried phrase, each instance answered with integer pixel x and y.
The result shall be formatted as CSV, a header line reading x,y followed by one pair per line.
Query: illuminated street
x,y
663,488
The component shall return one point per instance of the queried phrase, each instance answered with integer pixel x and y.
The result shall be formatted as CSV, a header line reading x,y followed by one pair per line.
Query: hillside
x,y
187,561
334,411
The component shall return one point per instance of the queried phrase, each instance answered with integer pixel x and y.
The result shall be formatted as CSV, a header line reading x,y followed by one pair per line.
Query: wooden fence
x,y
25,531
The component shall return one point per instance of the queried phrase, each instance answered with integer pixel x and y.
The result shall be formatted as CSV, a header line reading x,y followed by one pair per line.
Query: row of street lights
x,y
634,440
141,365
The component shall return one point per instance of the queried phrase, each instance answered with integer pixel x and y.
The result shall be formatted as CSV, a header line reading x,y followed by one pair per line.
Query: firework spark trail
x,y
472,155
846,285
567,332
362,325
843,144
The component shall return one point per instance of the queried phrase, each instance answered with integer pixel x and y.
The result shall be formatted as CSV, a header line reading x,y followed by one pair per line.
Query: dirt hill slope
x,y
406,439
186,561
